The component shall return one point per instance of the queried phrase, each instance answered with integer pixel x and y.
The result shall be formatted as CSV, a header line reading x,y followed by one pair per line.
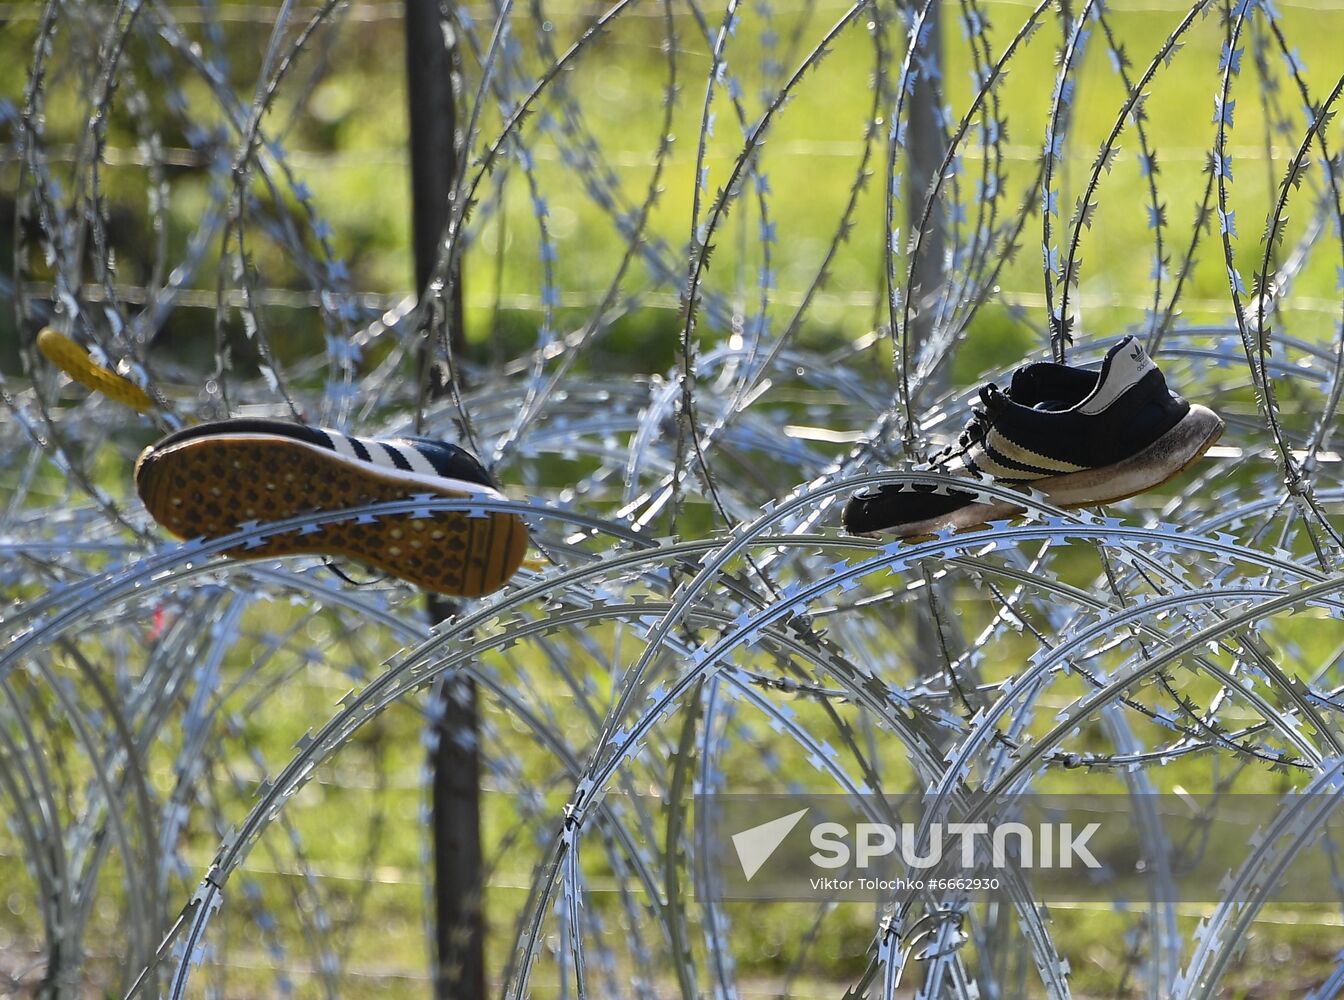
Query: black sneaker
x,y
207,480
1080,437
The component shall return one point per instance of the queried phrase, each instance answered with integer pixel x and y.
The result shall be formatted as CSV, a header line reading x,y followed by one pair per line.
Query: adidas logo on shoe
x,y
1080,437
207,480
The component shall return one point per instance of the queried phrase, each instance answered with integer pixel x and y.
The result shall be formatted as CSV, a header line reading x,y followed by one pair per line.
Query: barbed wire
x,y
695,622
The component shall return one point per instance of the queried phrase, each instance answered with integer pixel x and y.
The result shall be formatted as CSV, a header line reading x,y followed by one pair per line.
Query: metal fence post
x,y
459,931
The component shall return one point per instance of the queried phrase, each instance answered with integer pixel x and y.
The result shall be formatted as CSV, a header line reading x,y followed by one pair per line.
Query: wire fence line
x,y
240,13
290,299
621,159
695,623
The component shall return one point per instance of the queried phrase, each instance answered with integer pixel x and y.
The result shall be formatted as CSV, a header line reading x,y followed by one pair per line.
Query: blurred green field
x,y
346,140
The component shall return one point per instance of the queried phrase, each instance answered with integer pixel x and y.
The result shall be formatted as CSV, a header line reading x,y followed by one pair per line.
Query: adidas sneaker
x,y
1080,437
208,479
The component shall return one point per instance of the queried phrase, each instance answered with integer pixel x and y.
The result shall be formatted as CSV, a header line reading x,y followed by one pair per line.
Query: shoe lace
x,y
331,564
992,400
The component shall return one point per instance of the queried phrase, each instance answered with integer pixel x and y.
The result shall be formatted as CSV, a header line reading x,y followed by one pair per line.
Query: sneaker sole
x,y
1163,460
207,486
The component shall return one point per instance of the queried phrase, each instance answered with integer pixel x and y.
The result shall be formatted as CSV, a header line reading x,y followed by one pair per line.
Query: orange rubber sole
x,y
208,486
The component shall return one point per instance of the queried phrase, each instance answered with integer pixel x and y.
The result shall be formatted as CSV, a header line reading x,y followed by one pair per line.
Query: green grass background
x,y
359,821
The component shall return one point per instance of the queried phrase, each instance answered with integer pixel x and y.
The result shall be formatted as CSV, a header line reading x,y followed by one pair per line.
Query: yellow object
x,y
76,362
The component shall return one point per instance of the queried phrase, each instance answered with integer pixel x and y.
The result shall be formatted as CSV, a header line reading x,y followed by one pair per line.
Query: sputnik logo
x,y
756,845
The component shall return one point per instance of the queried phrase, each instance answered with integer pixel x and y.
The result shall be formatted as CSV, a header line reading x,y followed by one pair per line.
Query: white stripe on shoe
x,y
417,461
379,454
985,462
387,455
341,445
1014,452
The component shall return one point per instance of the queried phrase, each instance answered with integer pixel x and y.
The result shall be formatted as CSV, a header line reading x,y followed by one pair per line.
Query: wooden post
x,y
926,144
431,81
459,927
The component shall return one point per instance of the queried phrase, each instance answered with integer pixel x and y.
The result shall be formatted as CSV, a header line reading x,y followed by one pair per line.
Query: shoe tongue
x,y
1126,363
